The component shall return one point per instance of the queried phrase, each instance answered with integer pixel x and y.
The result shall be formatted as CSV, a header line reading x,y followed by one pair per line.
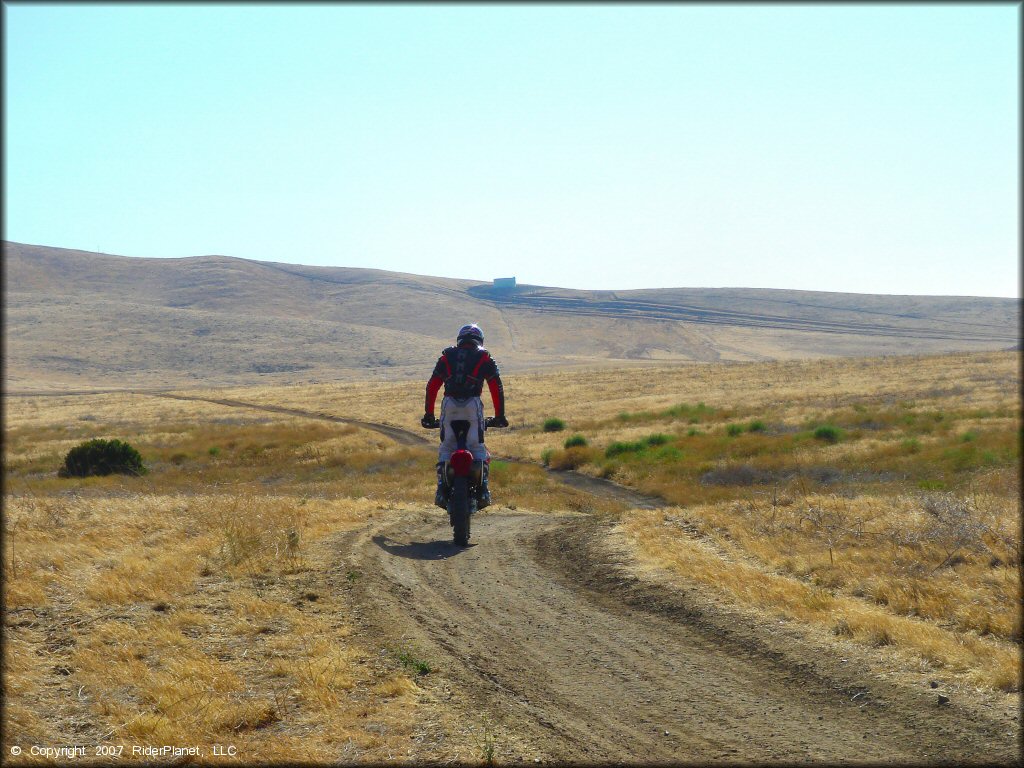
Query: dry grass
x,y
192,602
190,605
880,590
205,618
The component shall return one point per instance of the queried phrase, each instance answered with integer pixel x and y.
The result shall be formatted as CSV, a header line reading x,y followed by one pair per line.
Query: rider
x,y
463,369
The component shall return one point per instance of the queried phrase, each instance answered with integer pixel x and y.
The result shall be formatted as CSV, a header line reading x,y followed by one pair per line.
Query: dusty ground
x,y
544,649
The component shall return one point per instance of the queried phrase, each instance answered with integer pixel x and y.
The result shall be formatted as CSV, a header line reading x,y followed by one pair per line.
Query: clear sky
x,y
860,148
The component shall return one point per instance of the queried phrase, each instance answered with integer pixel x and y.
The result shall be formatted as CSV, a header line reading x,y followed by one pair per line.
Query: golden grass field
x,y
875,499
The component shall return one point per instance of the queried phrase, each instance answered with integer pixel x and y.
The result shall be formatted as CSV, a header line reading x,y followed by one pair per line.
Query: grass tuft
x,y
828,433
576,441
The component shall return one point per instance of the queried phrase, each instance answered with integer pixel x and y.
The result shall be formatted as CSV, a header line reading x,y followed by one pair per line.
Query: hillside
x,y
81,320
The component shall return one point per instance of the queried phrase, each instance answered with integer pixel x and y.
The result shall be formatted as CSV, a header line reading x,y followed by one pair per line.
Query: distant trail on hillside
x,y
625,309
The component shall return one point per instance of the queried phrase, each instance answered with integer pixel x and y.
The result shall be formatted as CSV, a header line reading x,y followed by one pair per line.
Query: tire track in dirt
x,y
531,629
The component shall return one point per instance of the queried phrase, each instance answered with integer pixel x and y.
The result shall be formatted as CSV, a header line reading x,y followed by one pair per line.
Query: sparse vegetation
x,y
408,659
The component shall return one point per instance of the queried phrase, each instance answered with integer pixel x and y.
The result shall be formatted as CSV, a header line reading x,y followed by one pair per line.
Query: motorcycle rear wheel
x,y
458,511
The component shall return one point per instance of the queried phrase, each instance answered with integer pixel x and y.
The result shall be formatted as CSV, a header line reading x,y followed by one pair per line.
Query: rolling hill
x,y
81,321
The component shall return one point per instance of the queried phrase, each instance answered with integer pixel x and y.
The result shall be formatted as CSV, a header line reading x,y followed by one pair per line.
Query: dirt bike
x,y
463,478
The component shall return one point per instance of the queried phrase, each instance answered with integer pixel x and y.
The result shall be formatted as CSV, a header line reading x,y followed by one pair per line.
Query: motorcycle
x,y
463,477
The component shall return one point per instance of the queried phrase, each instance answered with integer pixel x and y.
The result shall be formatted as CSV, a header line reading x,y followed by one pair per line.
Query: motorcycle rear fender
x,y
461,463
474,470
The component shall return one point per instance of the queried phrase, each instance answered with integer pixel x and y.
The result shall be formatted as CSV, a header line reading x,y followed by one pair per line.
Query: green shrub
x,y
576,441
657,439
545,456
617,449
968,437
420,666
553,425
828,433
756,426
102,457
734,429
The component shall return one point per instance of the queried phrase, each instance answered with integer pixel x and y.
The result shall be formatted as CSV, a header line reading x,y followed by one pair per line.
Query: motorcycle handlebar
x,y
488,424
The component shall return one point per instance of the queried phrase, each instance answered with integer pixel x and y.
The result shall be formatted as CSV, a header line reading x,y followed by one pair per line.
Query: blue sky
x,y
855,148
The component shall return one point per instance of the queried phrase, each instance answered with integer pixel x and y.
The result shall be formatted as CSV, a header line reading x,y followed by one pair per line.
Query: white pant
x,y
471,410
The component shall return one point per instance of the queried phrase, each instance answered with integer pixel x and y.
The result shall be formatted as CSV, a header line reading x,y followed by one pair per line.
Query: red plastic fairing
x,y
462,463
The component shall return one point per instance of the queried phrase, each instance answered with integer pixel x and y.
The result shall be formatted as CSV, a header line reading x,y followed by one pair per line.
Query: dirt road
x,y
399,435
541,644
531,631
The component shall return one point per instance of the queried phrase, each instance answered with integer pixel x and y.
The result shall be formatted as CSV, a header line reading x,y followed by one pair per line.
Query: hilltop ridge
x,y
77,319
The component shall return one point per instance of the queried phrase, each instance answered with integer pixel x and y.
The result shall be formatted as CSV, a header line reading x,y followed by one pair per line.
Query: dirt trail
x,y
531,633
399,435
855,321
594,485
534,631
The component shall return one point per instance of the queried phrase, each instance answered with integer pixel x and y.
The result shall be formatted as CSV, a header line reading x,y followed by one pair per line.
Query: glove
x,y
429,421
499,421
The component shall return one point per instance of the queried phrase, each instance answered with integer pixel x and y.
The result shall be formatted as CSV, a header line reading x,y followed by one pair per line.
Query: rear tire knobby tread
x,y
458,511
